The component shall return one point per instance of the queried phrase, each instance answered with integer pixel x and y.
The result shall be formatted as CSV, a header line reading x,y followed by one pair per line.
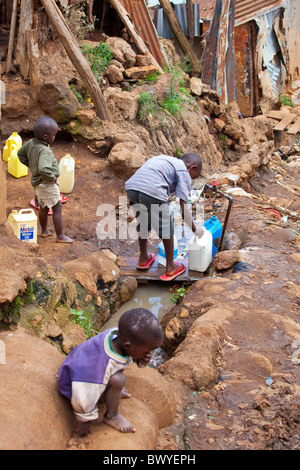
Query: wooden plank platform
x,y
128,268
288,119
277,114
295,128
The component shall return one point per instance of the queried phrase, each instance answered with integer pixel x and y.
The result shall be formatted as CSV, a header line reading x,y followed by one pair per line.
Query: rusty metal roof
x,y
245,10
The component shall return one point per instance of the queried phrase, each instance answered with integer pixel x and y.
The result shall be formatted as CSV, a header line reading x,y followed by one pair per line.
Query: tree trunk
x,y
12,35
141,46
79,61
25,25
33,59
179,34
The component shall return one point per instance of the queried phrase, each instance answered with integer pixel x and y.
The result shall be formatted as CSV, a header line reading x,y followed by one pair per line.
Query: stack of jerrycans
x,y
10,155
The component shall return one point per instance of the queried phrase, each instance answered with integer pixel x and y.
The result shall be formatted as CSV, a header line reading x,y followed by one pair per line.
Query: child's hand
x,y
199,232
144,361
83,429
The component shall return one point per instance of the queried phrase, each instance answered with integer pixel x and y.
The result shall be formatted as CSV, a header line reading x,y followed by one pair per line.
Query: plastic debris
x,y
269,381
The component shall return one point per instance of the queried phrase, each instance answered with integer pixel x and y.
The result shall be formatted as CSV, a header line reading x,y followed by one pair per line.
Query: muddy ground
x,y
238,410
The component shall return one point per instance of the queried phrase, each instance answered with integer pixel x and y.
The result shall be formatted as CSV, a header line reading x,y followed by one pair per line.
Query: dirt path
x,y
254,404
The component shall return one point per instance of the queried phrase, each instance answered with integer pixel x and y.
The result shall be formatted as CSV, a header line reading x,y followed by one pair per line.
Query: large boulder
x,y
126,158
122,51
194,361
33,414
152,407
123,101
58,101
22,257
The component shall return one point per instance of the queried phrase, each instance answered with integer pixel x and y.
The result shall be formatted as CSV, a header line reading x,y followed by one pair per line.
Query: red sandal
x,y
169,277
148,264
63,199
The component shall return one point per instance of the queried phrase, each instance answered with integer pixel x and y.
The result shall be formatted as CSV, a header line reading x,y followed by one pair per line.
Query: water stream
x,y
153,297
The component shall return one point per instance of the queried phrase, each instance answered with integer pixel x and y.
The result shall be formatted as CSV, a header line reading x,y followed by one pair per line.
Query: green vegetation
x,y
176,98
286,100
78,95
178,152
148,106
179,294
223,139
84,321
98,57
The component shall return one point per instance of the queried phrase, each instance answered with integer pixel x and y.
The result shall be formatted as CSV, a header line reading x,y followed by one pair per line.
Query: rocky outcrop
x,y
39,418
58,101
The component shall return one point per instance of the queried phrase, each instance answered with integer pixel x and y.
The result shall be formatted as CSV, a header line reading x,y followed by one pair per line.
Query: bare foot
x,y
119,423
125,393
64,239
83,429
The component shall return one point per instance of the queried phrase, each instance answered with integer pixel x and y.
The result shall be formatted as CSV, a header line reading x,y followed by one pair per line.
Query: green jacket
x,y
37,155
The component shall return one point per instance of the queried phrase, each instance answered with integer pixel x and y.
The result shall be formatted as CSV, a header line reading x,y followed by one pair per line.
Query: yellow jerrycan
x,y
67,174
14,141
24,225
14,166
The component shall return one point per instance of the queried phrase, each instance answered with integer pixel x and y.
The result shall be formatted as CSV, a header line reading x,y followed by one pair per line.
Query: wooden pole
x,y
25,24
79,61
33,59
141,46
190,20
179,34
12,35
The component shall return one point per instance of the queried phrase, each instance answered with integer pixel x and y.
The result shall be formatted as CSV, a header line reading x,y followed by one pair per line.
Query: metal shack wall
x,y
139,14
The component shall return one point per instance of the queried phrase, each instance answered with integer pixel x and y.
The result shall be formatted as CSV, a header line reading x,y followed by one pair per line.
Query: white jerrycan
x,y
67,174
200,251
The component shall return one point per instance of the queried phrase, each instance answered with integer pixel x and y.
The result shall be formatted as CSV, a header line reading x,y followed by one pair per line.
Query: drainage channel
x,y
153,297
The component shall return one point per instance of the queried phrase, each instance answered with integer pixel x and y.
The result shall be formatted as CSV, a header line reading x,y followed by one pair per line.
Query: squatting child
x,y
37,155
95,368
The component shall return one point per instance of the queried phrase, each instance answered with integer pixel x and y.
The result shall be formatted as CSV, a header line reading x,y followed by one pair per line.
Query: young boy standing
x,y
95,368
37,155
148,191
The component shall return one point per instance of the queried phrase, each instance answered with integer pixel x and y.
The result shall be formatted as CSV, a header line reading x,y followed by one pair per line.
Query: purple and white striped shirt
x,y
161,176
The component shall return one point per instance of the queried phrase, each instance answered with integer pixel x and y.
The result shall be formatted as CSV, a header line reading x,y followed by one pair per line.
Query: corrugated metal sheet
x,y
139,14
163,27
245,10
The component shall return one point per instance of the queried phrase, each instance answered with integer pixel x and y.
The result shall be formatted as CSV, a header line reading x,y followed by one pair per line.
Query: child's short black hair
x,y
141,326
43,126
192,159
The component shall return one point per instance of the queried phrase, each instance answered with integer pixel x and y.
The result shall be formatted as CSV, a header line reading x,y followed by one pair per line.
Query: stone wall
x,y
2,191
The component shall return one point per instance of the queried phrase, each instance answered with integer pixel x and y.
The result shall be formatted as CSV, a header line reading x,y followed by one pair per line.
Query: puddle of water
x,y
152,297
